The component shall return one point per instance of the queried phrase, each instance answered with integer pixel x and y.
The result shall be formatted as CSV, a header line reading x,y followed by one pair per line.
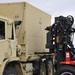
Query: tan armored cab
x,y
8,47
31,33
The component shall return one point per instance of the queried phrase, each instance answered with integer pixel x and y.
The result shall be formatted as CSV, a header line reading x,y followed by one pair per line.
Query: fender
x,y
5,62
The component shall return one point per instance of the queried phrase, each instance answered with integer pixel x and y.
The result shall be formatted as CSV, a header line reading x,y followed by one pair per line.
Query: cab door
x,y
3,40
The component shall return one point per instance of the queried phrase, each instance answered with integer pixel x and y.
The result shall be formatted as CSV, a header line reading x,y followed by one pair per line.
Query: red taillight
x,y
67,56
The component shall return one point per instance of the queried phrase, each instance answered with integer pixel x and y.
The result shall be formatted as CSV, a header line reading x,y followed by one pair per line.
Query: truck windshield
x,y
2,30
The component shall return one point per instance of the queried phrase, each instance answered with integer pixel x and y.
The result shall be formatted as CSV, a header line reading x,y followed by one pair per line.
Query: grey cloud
x,y
53,7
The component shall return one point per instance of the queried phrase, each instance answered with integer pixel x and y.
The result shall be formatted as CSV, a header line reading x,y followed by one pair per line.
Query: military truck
x,y
24,39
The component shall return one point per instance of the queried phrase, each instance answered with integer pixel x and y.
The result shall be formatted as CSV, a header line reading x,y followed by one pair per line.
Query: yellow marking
x,y
57,39
67,62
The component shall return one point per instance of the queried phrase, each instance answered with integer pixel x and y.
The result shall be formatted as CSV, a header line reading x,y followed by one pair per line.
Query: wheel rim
x,y
67,73
11,74
42,69
42,72
50,69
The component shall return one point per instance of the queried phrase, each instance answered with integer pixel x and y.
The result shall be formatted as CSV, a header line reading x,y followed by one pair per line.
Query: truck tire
x,y
42,69
65,70
10,71
49,67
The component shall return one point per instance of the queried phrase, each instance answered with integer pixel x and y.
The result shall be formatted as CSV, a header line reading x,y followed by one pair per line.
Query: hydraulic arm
x,y
59,40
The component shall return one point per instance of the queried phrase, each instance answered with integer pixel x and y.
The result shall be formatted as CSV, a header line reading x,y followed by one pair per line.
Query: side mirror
x,y
17,23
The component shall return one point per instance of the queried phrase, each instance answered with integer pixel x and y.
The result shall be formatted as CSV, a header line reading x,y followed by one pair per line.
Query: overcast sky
x,y
52,7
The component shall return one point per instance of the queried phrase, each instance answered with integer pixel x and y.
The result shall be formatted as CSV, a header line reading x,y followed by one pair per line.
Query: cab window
x,y
12,33
2,30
